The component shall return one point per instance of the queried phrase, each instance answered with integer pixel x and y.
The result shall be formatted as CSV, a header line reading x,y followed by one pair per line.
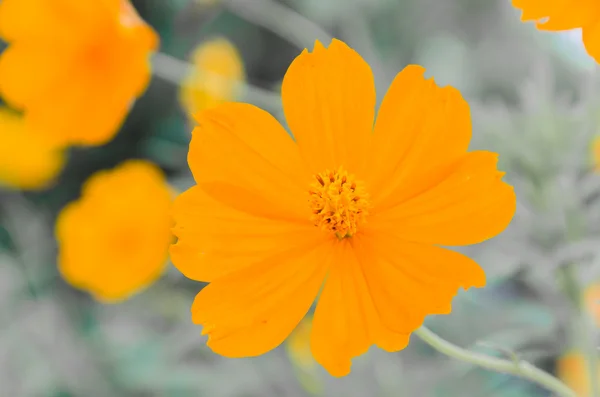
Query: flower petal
x,y
561,14
53,20
251,311
420,127
78,118
329,103
21,79
206,228
242,156
408,281
591,39
471,205
345,323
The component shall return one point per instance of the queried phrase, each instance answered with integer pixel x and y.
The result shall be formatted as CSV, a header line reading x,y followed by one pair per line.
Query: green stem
x,y
516,367
281,20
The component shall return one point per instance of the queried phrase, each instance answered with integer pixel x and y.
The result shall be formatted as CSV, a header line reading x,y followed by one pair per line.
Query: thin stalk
x,y
516,367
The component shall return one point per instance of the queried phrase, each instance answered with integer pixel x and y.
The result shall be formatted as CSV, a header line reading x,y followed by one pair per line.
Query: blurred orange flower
x,y
216,77
299,353
596,153
572,369
298,345
74,67
591,297
26,161
566,15
357,204
114,240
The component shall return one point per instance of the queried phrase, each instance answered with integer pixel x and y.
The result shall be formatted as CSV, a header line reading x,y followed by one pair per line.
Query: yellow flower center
x,y
338,202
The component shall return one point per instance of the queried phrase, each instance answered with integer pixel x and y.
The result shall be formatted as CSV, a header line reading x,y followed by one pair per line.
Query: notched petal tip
x,y
477,279
335,44
414,68
318,47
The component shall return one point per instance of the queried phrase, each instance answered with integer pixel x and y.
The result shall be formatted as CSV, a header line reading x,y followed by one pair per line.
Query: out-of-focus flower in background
x,y
298,350
74,67
596,153
27,160
217,73
571,368
113,241
298,346
560,15
384,275
591,297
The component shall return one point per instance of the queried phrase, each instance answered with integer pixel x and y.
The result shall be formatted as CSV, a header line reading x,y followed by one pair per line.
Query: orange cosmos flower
x,y
566,15
357,204
74,67
26,161
114,240
572,369
216,76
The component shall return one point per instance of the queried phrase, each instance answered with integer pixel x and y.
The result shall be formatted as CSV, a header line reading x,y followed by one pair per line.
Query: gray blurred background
x,y
534,99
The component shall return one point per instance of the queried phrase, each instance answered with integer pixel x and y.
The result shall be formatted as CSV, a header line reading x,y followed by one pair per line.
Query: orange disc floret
x,y
74,67
558,15
27,161
113,241
354,209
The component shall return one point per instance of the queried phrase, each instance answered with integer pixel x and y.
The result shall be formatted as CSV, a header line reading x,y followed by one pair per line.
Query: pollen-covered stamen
x,y
338,202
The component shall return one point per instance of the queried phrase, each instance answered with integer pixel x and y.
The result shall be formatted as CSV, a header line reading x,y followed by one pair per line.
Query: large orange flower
x,y
359,205
114,240
74,67
561,15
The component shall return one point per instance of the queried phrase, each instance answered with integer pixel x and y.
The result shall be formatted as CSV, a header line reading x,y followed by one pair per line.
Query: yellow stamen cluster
x,y
338,202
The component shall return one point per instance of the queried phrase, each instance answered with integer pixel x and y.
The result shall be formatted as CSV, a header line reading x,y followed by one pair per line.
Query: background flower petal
x,y
267,178
561,14
43,19
471,205
329,103
591,39
20,78
77,118
252,311
216,76
206,228
26,161
419,127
